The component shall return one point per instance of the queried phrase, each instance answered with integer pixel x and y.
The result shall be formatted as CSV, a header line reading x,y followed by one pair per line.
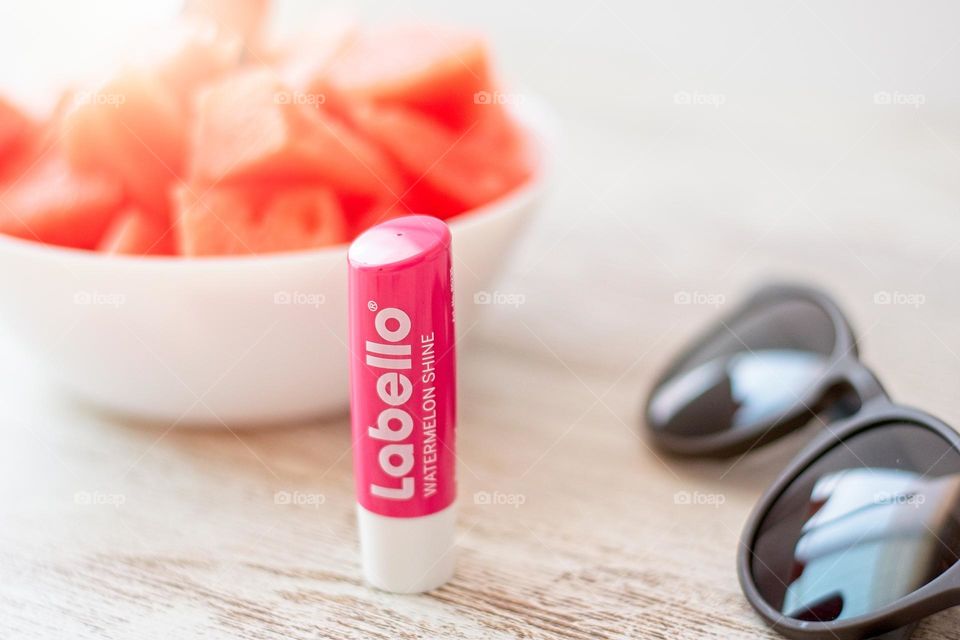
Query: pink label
x,y
402,387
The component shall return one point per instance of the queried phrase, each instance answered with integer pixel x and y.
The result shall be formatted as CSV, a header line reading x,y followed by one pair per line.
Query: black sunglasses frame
x,y
844,371
896,619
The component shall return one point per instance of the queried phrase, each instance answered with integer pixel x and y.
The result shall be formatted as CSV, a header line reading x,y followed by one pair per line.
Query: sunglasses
x,y
859,537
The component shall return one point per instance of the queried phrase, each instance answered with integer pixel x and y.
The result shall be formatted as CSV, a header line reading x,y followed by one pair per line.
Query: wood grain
x,y
118,530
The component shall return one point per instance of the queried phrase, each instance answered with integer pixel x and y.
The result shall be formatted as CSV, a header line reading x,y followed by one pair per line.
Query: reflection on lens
x,y
872,520
735,391
749,373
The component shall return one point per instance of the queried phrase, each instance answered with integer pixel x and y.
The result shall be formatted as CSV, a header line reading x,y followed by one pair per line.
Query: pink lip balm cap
x,y
403,402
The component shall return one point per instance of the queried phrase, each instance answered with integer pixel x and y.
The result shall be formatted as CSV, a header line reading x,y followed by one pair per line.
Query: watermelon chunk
x,y
360,215
252,128
438,71
134,233
245,18
451,172
40,141
132,128
55,204
303,218
191,55
300,59
232,220
15,129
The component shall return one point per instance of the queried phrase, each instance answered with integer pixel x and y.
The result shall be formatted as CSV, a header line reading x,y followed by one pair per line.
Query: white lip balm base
x,y
407,555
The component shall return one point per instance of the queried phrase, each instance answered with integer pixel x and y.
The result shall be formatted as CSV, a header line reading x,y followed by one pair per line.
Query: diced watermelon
x,y
134,233
251,128
451,172
438,71
133,128
15,129
237,220
55,204
343,129
206,221
243,17
40,143
301,58
192,55
304,218
361,214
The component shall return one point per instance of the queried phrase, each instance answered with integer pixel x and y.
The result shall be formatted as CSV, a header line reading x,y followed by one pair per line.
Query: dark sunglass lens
x,y
872,520
750,372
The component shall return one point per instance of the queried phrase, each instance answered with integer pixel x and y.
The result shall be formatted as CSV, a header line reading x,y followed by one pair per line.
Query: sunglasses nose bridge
x,y
846,390
866,385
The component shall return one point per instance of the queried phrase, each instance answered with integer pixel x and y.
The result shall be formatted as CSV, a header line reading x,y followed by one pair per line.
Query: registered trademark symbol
x,y
372,305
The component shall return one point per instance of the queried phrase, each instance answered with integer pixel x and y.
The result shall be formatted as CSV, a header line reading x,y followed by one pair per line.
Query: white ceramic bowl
x,y
236,341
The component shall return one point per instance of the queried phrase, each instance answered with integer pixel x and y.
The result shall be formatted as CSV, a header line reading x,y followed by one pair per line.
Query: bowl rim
x,y
538,121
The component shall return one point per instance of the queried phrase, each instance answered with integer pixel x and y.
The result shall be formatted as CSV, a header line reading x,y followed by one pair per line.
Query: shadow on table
x,y
757,468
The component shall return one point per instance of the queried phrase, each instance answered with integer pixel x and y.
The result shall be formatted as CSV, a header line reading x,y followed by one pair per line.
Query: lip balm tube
x,y
403,402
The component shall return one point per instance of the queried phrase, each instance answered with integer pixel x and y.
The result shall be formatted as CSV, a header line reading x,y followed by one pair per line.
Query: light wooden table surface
x,y
114,530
